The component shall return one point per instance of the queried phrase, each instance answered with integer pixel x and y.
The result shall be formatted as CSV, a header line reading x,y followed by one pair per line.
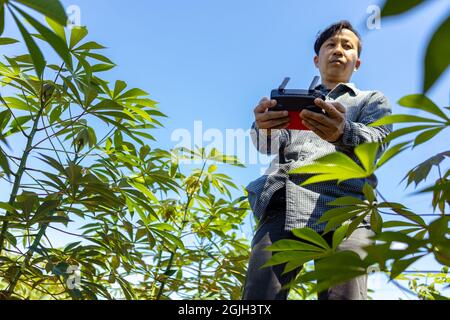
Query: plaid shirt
x,y
295,148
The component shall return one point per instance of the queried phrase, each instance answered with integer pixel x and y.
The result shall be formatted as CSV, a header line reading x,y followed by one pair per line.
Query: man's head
x,y
337,49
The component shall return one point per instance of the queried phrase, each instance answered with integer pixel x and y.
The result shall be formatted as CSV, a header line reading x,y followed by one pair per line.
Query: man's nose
x,y
338,50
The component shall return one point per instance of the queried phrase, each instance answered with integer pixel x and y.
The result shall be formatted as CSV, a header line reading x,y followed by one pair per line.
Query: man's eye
x,y
348,46
330,44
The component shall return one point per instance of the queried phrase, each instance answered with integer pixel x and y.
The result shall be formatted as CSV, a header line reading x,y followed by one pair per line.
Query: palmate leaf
x,y
421,171
298,257
55,41
49,8
394,7
36,54
400,118
57,28
407,130
290,245
334,269
437,57
311,236
426,135
441,194
422,102
338,166
392,152
76,35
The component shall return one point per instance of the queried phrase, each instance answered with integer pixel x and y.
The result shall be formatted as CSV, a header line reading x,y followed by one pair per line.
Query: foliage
x,y
147,228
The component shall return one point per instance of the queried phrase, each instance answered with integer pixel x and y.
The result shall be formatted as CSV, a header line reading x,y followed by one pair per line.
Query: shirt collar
x,y
349,86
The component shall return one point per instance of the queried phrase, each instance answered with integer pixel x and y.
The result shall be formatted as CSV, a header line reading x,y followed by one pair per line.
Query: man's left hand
x,y
329,127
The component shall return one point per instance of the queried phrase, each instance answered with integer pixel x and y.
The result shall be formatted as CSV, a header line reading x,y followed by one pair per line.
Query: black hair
x,y
331,31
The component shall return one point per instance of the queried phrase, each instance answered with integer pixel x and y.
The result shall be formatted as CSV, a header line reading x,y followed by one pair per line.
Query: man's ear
x,y
357,64
316,61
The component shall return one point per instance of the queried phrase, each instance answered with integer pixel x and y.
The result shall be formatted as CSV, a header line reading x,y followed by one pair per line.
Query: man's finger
x,y
316,116
328,107
339,106
273,123
313,128
271,115
264,104
316,124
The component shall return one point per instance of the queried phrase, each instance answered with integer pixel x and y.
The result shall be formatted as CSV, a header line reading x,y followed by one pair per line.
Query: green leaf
x,y
367,153
400,265
340,219
57,28
4,41
336,212
335,166
91,45
399,118
395,223
2,17
437,57
289,245
286,256
7,207
394,7
144,190
312,236
369,193
392,152
55,41
421,171
339,235
426,135
118,88
4,164
376,222
50,8
102,67
346,201
407,130
76,35
35,52
132,93
422,102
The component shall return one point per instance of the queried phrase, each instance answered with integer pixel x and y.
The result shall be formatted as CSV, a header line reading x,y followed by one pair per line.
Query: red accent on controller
x,y
296,122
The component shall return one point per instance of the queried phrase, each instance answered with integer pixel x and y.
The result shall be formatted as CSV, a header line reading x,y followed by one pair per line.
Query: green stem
x,y
180,231
20,172
27,259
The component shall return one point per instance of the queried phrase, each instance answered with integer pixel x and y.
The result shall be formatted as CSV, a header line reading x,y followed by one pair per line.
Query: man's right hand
x,y
266,119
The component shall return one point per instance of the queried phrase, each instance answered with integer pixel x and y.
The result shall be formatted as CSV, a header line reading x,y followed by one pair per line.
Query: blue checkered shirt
x,y
304,205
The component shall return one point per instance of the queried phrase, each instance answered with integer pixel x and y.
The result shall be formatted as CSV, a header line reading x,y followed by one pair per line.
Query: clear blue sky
x,y
213,60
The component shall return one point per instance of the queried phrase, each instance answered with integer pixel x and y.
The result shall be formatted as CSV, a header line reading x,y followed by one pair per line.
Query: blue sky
x,y
212,61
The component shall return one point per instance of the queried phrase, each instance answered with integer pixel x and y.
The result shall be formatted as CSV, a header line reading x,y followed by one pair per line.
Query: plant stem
x,y
20,172
27,259
180,230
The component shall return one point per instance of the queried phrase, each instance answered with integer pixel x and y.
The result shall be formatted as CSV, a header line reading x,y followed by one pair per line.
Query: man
x,y
277,199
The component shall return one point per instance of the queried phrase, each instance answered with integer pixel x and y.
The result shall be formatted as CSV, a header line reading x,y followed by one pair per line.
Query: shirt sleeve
x,y
356,133
267,143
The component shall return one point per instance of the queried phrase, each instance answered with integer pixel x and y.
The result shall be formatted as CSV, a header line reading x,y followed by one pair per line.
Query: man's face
x,y
338,57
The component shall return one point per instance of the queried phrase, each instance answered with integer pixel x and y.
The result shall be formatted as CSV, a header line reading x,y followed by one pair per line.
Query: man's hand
x,y
270,120
329,127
